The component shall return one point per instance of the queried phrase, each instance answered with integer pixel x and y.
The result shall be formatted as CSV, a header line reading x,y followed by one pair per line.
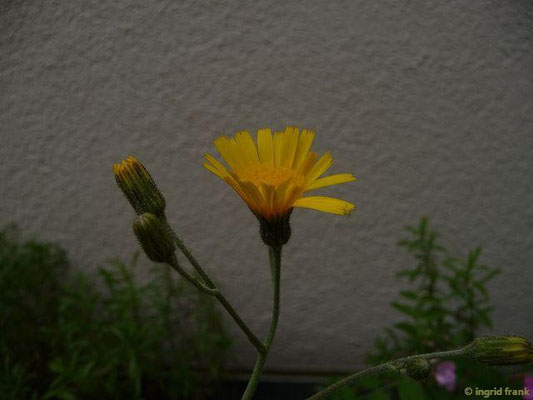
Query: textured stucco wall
x,y
429,103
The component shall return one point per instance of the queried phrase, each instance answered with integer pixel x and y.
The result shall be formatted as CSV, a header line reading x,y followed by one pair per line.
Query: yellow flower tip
x,y
272,173
128,168
349,208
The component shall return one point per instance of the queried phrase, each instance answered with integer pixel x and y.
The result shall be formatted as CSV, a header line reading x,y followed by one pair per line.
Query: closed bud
x,y
418,368
155,237
139,187
502,350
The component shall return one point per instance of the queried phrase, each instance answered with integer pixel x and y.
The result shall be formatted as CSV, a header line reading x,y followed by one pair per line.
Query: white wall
x,y
429,103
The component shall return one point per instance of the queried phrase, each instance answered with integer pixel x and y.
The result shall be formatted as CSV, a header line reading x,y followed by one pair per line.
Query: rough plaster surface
x,y
429,103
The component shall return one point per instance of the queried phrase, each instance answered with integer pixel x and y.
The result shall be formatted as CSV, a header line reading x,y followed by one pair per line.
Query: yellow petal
x,y
307,164
330,180
321,166
246,147
292,194
325,204
280,195
219,169
226,148
290,143
278,148
304,144
265,146
255,197
268,194
235,183
212,169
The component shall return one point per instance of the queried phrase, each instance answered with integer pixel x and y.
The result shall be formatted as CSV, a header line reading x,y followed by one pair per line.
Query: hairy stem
x,y
220,297
200,286
275,266
394,366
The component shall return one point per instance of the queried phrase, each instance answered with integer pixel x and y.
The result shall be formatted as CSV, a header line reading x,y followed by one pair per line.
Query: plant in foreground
x,y
65,335
496,350
271,176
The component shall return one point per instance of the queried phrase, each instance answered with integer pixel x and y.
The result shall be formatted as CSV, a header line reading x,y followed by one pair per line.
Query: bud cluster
x,y
150,226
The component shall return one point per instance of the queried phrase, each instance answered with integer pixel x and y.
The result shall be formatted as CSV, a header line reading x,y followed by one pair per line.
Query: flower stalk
x,y
275,266
252,338
213,291
396,366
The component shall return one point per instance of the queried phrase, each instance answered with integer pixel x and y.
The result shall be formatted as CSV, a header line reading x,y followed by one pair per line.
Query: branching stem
x,y
218,294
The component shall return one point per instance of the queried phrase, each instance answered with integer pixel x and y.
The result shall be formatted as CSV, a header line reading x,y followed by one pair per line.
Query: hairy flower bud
x,y
502,350
155,237
139,187
418,368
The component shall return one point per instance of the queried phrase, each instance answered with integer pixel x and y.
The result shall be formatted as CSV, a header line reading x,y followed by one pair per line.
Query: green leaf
x,y
409,294
409,389
489,276
406,327
345,393
370,382
484,317
481,289
406,309
379,394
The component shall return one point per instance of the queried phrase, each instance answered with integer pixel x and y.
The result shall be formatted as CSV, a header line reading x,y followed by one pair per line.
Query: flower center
x,y
269,175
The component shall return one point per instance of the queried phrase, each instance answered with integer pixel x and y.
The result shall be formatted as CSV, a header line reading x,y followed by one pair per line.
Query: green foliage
x,y
66,336
444,308
448,302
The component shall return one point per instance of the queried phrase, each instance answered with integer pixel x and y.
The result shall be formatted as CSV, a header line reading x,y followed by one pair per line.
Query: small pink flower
x,y
528,385
445,375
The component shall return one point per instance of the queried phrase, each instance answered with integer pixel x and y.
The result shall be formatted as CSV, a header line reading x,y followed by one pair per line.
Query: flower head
x,y
445,375
139,187
272,175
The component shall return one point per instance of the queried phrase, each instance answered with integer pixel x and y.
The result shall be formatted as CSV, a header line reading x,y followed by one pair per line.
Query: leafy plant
x,y
66,336
449,301
444,308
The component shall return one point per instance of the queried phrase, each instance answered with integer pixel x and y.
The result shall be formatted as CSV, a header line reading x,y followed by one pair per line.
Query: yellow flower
x,y
272,176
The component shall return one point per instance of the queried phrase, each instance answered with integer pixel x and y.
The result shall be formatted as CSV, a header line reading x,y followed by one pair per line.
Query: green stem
x,y
394,366
275,266
201,287
220,297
